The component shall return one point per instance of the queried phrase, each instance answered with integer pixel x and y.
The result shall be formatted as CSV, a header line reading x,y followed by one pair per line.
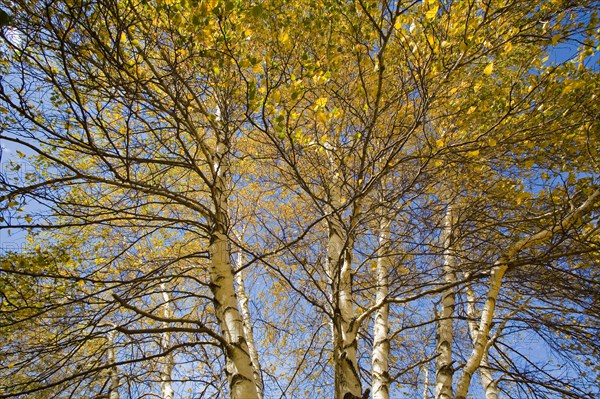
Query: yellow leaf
x,y
321,102
489,69
276,96
431,14
430,39
322,117
284,37
567,89
555,39
473,154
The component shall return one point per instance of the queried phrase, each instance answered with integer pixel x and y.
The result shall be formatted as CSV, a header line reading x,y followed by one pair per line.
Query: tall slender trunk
x,y
339,260
168,362
487,314
445,332
426,382
247,324
380,380
347,380
487,380
113,392
238,368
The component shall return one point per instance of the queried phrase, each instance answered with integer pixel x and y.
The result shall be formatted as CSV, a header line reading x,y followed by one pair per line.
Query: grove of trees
x,y
300,199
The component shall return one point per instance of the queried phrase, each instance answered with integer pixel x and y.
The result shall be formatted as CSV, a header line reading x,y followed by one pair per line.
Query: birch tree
x,y
380,158
117,91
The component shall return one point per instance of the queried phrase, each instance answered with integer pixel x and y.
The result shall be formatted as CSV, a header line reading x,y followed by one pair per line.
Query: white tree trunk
x,y
347,381
114,372
247,323
445,327
479,346
339,261
380,380
168,362
426,383
487,380
238,368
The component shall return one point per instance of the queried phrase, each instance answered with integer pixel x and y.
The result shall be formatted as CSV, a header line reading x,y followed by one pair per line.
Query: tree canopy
x,y
287,199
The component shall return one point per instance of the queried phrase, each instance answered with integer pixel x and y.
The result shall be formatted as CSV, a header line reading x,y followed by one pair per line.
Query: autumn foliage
x,y
295,199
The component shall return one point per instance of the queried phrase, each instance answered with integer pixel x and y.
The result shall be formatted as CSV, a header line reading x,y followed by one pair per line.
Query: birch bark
x,y
426,383
247,324
347,380
479,346
114,372
381,346
339,259
445,327
487,380
166,378
239,370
